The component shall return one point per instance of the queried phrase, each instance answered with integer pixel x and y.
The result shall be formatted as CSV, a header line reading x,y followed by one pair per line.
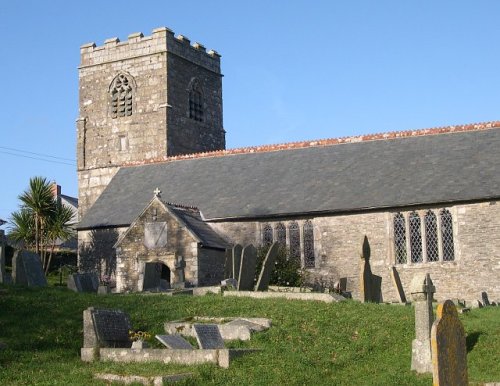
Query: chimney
x,y
56,190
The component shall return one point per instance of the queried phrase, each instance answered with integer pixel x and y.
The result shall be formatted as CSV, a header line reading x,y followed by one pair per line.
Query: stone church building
x,y
160,198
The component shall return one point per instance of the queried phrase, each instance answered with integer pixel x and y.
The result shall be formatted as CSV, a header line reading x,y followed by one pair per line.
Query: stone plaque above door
x,y
155,235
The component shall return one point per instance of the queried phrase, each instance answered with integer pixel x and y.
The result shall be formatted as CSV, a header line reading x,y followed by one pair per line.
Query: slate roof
x,y
376,174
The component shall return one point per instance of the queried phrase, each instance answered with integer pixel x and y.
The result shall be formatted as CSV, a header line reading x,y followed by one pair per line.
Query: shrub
x,y
287,271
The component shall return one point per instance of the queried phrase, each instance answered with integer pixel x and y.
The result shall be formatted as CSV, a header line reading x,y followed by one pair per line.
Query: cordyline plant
x,y
41,221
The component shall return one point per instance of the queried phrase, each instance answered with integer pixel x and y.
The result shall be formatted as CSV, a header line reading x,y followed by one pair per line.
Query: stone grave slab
x,y
112,327
27,269
267,268
484,297
155,235
247,268
449,349
174,342
237,249
208,336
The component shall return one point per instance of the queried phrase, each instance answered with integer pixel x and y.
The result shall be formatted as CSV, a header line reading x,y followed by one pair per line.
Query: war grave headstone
x,y
247,268
208,336
155,235
422,290
2,257
174,342
237,249
111,327
27,269
449,349
399,286
484,297
267,268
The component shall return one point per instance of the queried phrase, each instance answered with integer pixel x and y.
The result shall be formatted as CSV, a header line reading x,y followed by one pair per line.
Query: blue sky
x,y
293,70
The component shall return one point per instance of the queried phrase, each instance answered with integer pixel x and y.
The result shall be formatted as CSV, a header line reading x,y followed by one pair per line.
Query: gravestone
x,y
267,268
228,265
237,249
174,342
111,327
399,286
422,290
180,265
484,297
27,269
449,349
155,235
247,268
208,336
83,282
2,257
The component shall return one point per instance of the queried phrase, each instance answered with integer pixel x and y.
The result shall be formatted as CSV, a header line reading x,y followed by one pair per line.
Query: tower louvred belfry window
x,y
121,97
196,102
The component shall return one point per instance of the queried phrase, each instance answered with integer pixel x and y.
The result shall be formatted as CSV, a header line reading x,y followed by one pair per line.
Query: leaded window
x,y
447,235
308,234
121,97
281,234
415,238
431,236
196,102
267,235
294,231
400,238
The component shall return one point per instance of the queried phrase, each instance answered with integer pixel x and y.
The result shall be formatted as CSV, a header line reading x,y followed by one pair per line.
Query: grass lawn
x,y
310,343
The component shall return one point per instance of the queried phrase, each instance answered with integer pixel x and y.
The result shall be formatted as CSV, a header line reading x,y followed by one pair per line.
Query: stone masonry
x,y
160,70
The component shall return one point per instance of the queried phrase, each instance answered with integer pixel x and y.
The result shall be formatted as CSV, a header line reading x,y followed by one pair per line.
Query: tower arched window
x,y
121,96
294,231
447,235
308,235
400,238
415,238
267,236
431,236
195,102
281,234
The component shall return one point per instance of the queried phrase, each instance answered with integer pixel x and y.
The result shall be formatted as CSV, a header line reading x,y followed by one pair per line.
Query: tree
x,y
22,227
57,228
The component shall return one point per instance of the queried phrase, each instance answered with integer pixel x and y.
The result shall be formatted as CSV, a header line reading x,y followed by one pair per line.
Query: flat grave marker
x,y
174,342
208,336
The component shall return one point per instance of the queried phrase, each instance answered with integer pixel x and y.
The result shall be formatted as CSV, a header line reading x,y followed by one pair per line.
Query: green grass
x,y
347,343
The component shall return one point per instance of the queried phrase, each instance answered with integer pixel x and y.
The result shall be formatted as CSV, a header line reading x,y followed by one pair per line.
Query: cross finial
x,y
157,192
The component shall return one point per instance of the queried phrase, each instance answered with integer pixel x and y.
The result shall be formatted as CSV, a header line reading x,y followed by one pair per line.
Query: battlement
x,y
162,40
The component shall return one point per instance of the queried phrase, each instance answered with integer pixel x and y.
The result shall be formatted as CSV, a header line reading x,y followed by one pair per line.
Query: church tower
x,y
143,99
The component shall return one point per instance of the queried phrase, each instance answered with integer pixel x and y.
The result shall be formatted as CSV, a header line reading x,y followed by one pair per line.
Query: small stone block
x,y
174,342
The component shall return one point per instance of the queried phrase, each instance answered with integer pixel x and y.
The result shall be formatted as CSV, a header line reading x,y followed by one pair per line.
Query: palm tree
x,y
40,201
22,229
58,228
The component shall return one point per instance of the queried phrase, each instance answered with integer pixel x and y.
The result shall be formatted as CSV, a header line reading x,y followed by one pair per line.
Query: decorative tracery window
x,y
121,97
308,234
431,236
447,235
415,238
294,231
196,102
267,235
400,238
281,234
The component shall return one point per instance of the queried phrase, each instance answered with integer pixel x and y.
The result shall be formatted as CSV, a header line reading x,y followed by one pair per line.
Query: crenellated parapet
x,y
162,40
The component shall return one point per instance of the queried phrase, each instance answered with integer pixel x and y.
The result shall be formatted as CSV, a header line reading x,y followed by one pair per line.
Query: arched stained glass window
x,y
294,231
308,234
400,238
121,97
281,234
431,236
447,235
415,238
196,102
267,236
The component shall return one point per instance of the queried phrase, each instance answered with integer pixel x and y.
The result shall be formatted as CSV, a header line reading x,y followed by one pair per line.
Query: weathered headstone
x,y
449,349
174,342
155,235
237,249
27,269
2,256
267,268
208,336
228,265
422,290
111,327
484,297
83,282
399,286
247,268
